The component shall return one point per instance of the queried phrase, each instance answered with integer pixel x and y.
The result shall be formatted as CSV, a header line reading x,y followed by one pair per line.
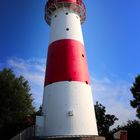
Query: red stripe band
x,y
66,62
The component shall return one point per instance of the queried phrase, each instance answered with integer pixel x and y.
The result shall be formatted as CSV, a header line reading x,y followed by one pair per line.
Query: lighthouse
x,y
68,109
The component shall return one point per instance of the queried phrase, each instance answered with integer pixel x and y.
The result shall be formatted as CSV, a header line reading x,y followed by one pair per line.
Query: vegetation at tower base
x,y
39,112
135,90
16,108
104,121
132,127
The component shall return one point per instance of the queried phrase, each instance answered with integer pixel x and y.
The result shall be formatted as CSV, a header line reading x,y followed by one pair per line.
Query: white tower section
x,y
65,24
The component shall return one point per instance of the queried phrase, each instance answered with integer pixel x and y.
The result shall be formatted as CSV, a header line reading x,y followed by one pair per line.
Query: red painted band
x,y
66,62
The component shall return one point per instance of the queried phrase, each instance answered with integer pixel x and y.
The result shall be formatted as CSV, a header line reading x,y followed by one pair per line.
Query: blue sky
x,y
112,41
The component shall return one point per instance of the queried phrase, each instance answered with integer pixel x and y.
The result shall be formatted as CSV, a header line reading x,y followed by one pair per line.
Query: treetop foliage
x,y
135,90
132,128
15,101
104,121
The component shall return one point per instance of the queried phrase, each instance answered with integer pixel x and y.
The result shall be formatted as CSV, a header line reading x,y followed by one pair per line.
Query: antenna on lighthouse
x,y
68,109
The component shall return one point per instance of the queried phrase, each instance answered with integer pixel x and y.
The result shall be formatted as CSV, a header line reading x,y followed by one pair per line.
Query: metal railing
x,y
76,5
26,134
79,2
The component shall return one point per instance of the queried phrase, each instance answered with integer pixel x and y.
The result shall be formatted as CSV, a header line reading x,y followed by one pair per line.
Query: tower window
x,y
67,29
83,55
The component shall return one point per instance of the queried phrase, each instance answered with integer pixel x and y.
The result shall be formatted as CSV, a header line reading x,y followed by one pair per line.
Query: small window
x,y
55,16
66,13
67,29
83,55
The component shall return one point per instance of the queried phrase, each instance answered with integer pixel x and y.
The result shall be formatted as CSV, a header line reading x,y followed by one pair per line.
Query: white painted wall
x,y
73,98
39,129
63,21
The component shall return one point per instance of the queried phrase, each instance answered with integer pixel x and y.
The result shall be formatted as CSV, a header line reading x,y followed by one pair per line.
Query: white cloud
x,y
34,71
114,95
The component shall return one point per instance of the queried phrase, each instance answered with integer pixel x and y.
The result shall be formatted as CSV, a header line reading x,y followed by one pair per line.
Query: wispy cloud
x,y
33,70
113,94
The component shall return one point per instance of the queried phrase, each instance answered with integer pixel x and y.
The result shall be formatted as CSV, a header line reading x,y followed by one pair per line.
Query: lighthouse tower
x,y
68,109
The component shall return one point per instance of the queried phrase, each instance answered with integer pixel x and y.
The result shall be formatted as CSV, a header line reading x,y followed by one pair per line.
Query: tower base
x,y
72,138
79,138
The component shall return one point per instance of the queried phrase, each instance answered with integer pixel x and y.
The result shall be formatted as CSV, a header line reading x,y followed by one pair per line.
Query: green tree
x,y
39,112
135,90
15,103
104,121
